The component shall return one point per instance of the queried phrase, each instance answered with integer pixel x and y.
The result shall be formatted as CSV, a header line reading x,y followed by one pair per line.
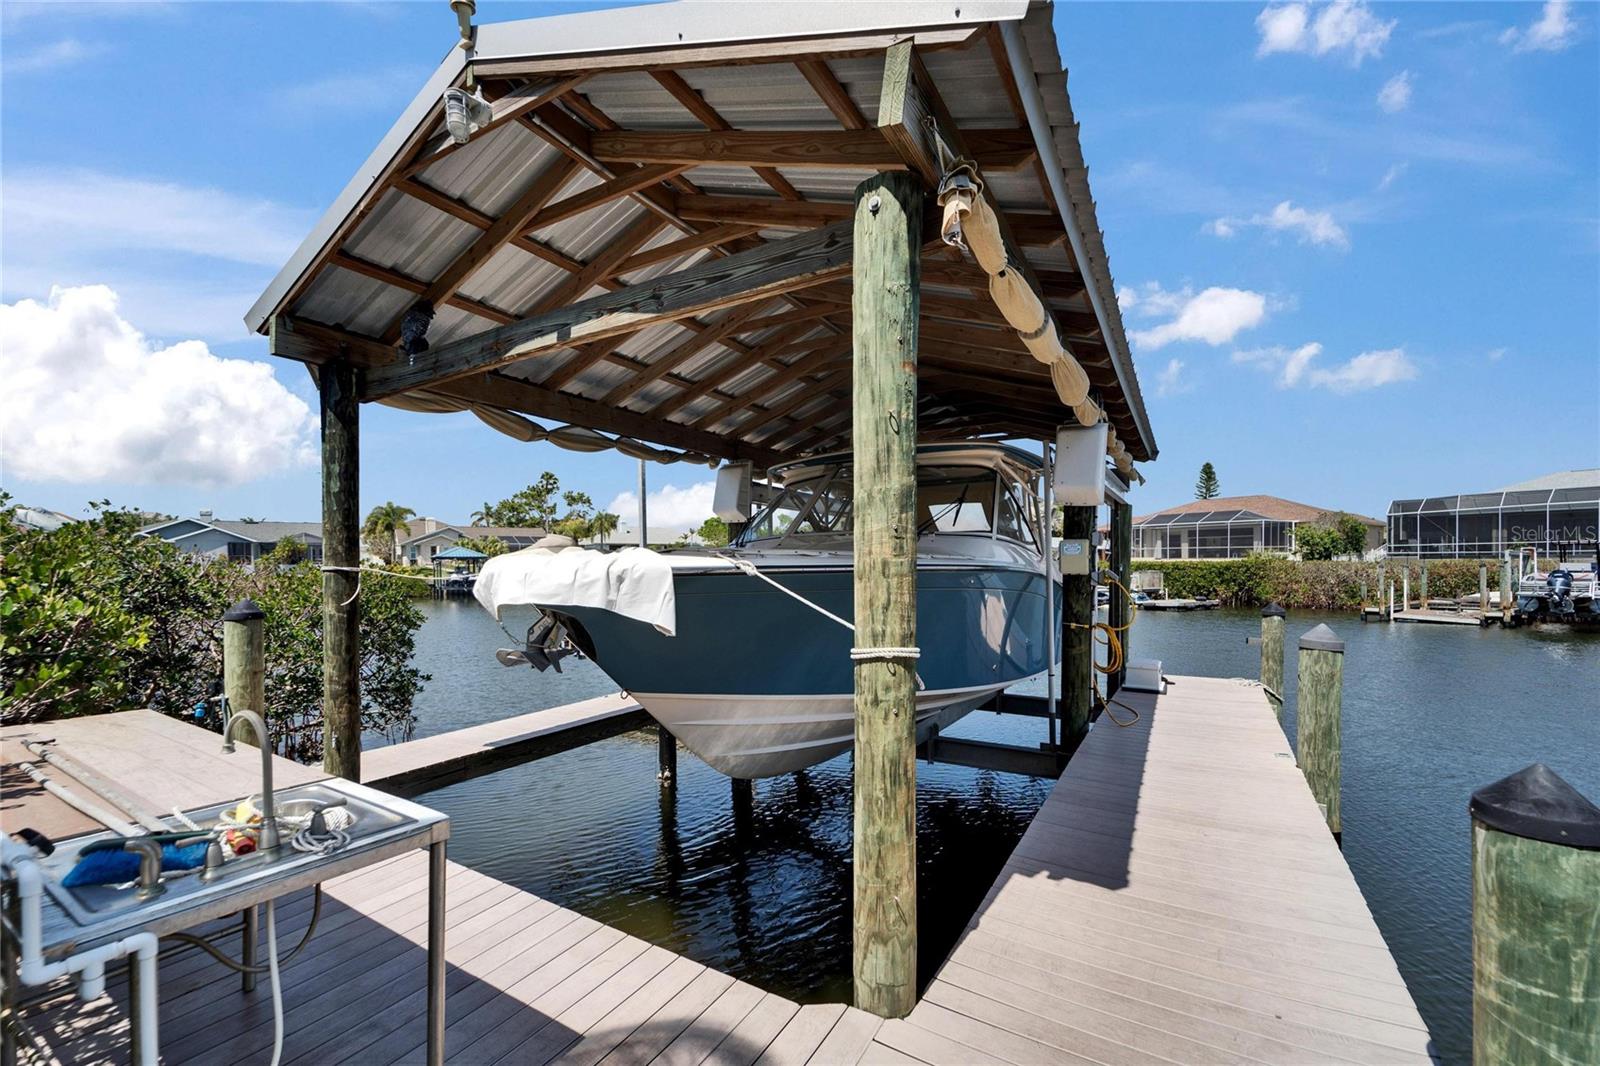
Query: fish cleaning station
x,y
847,255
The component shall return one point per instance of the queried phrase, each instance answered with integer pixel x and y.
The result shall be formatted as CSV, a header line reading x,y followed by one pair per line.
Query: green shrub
x,y
1319,585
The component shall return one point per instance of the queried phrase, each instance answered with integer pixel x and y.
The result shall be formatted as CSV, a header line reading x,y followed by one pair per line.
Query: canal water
x,y
1430,713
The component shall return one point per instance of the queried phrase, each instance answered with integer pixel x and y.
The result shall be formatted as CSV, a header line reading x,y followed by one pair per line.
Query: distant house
x,y
1553,512
429,537
627,536
40,518
1231,527
240,541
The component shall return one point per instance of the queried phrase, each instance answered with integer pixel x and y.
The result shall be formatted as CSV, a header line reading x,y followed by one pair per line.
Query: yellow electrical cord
x,y
1108,638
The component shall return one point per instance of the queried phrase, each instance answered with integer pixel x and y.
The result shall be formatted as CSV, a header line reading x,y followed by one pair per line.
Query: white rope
x,y
745,566
864,655
359,570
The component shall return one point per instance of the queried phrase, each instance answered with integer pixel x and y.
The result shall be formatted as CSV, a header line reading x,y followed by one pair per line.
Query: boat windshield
x,y
950,499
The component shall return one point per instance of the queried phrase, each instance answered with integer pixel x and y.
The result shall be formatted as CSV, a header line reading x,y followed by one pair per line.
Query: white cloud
x,y
142,237
1392,175
62,53
1554,31
1312,227
89,398
386,89
1343,26
1170,381
1497,354
669,507
1293,368
1395,96
1214,316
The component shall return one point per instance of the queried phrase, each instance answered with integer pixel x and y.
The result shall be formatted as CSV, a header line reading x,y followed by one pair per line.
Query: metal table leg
x,y
436,874
247,953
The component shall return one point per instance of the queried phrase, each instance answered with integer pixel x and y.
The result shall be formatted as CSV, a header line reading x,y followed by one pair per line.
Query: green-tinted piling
x,y
1272,621
1535,922
1317,704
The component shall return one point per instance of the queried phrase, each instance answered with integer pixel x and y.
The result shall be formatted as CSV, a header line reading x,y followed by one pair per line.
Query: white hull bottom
x,y
762,736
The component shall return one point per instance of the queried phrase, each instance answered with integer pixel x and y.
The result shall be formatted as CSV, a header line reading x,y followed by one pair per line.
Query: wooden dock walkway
x,y
1178,898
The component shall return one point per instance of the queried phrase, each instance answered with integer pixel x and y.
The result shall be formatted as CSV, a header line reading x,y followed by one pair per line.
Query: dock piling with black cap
x,y
1272,620
244,659
1317,712
1535,921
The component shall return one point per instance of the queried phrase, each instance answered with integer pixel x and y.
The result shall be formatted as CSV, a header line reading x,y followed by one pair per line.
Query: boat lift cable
x,y
860,655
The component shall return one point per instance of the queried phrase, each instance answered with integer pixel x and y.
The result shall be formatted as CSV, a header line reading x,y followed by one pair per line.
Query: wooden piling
x,y
666,757
886,304
1483,592
1422,589
1077,636
1389,613
1317,713
1535,912
1272,622
341,547
1381,587
244,661
1122,564
1363,594
1508,596
1405,589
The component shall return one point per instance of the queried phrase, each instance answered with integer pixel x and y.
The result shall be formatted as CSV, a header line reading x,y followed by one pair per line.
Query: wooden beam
x,y
836,347
714,378
728,325
624,184
697,106
514,394
315,344
602,266
832,93
764,212
538,193
771,269
448,204
367,268
866,149
812,392
694,242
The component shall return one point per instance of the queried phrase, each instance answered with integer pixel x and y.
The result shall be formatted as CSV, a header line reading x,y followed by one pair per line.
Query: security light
x,y
465,114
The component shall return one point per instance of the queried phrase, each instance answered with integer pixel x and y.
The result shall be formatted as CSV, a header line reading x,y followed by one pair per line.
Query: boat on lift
x,y
750,667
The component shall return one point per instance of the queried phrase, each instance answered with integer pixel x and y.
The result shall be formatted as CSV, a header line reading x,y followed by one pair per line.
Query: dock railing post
x,y
1535,910
1405,590
886,302
1272,622
1317,712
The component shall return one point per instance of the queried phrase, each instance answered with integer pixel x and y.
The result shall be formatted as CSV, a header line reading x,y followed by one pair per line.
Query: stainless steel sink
x,y
94,903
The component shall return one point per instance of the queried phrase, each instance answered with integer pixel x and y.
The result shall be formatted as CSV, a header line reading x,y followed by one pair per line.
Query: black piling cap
x,y
244,611
1274,610
1322,639
1537,803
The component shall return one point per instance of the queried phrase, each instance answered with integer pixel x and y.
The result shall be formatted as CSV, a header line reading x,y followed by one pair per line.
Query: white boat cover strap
x,y
635,583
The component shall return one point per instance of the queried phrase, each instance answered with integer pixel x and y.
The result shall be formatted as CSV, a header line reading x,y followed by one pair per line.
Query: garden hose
x,y
1109,637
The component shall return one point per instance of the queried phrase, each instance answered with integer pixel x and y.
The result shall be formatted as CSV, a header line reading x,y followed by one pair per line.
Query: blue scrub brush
x,y
106,863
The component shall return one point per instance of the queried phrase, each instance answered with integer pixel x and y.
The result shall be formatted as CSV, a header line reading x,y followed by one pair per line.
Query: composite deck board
x,y
1177,899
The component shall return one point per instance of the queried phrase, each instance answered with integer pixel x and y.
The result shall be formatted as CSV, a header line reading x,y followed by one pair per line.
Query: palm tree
x,y
603,525
484,515
384,527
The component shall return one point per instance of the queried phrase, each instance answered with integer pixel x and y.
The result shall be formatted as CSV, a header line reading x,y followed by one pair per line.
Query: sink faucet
x,y
269,823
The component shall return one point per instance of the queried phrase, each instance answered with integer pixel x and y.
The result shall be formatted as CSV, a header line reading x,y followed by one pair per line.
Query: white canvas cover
x,y
635,583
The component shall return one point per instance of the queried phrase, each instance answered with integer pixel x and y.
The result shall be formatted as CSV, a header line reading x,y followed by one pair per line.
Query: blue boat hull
x,y
757,683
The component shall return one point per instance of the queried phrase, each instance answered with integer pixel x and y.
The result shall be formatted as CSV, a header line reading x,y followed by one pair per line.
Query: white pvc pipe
x,y
89,966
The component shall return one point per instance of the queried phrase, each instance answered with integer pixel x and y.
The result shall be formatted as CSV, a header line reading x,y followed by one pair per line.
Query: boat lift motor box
x,y
731,501
1144,675
1080,479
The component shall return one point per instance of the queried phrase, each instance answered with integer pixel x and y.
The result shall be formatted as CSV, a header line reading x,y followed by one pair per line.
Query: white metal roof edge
x,y
685,22
451,68
688,23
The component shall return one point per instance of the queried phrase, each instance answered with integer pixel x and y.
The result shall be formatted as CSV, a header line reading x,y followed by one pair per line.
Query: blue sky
x,y
1358,247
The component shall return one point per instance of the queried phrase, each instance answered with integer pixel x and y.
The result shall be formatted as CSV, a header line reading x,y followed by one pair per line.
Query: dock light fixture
x,y
414,328
465,114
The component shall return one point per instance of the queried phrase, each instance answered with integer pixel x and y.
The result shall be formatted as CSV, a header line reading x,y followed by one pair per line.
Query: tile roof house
x,y
1231,527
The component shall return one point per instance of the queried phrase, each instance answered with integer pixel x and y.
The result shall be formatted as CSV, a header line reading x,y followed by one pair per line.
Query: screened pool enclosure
x,y
1485,524
1229,534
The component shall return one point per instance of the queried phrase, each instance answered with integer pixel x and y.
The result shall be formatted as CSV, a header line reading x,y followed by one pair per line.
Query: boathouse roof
x,y
623,147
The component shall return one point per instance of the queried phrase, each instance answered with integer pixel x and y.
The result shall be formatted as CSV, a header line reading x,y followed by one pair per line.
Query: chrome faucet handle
x,y
149,852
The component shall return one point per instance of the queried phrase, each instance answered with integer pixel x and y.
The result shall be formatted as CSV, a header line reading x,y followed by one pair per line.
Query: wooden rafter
x,y
697,106
602,266
997,150
448,204
388,276
538,193
504,109
680,353
625,183
837,347
694,242
827,87
771,269
809,392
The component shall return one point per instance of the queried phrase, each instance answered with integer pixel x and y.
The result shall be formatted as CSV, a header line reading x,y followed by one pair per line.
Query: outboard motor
x,y
544,646
1558,592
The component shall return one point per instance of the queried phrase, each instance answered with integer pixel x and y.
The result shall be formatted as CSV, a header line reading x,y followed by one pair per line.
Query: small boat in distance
x,y
757,680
